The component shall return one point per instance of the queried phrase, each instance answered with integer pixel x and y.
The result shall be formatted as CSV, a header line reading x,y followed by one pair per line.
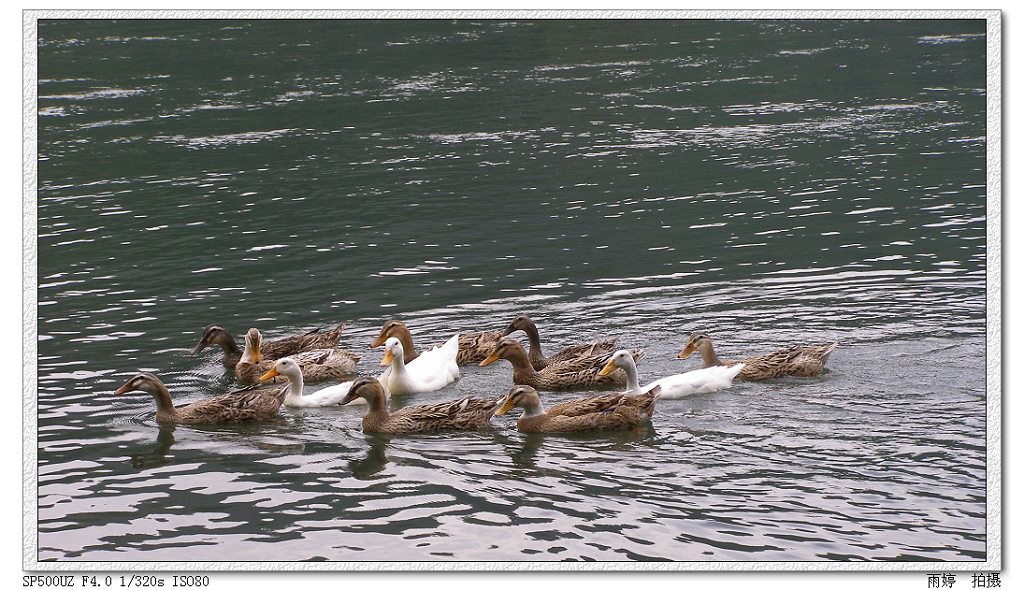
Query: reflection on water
x,y
768,182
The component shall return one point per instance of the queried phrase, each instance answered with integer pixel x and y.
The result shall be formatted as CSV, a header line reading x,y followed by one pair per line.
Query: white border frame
x,y
994,516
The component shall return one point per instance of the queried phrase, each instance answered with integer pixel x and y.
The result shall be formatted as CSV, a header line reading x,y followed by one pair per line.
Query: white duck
x,y
288,368
431,370
706,380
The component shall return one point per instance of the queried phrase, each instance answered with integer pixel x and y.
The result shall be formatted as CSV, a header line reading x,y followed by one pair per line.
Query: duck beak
x,y
508,405
378,341
199,347
348,397
686,352
269,374
388,357
123,390
494,356
608,368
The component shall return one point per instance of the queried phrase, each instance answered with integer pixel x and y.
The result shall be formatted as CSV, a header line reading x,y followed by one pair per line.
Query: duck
x,y
250,403
288,368
473,346
462,414
269,349
800,361
577,372
536,355
426,374
707,380
317,364
435,357
610,411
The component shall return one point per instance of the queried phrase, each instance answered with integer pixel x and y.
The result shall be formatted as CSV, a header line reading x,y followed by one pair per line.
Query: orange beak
x,y
508,405
388,357
688,350
608,368
494,356
269,374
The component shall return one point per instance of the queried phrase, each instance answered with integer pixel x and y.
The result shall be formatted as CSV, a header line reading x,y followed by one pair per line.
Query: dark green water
x,y
770,182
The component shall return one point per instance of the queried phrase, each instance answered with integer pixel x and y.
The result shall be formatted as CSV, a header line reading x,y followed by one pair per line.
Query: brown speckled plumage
x,y
800,361
582,371
536,355
461,414
610,411
269,349
250,403
317,365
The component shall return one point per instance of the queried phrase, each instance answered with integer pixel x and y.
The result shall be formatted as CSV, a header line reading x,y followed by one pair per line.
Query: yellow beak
x,y
686,352
388,357
508,405
494,356
269,374
608,368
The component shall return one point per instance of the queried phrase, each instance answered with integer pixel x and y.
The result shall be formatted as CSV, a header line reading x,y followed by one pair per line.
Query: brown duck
x,y
583,371
801,361
610,411
316,365
269,349
251,403
536,355
461,414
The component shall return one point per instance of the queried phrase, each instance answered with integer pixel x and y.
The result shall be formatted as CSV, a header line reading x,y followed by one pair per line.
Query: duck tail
x,y
827,351
735,370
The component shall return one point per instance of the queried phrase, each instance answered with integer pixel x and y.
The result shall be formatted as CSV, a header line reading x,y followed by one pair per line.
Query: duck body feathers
x,y
583,371
316,365
800,361
431,370
248,404
269,349
475,346
610,411
462,414
707,380
536,354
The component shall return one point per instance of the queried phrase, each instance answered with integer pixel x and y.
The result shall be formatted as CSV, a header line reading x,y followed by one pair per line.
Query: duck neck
x,y
251,355
533,410
398,364
410,349
534,337
376,412
632,377
165,411
522,370
232,353
294,390
708,354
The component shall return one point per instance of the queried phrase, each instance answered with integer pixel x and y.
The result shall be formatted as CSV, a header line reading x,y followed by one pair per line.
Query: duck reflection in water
x,y
374,461
157,456
524,448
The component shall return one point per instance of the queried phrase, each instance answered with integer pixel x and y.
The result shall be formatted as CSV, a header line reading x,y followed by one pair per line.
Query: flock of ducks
x,y
314,356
